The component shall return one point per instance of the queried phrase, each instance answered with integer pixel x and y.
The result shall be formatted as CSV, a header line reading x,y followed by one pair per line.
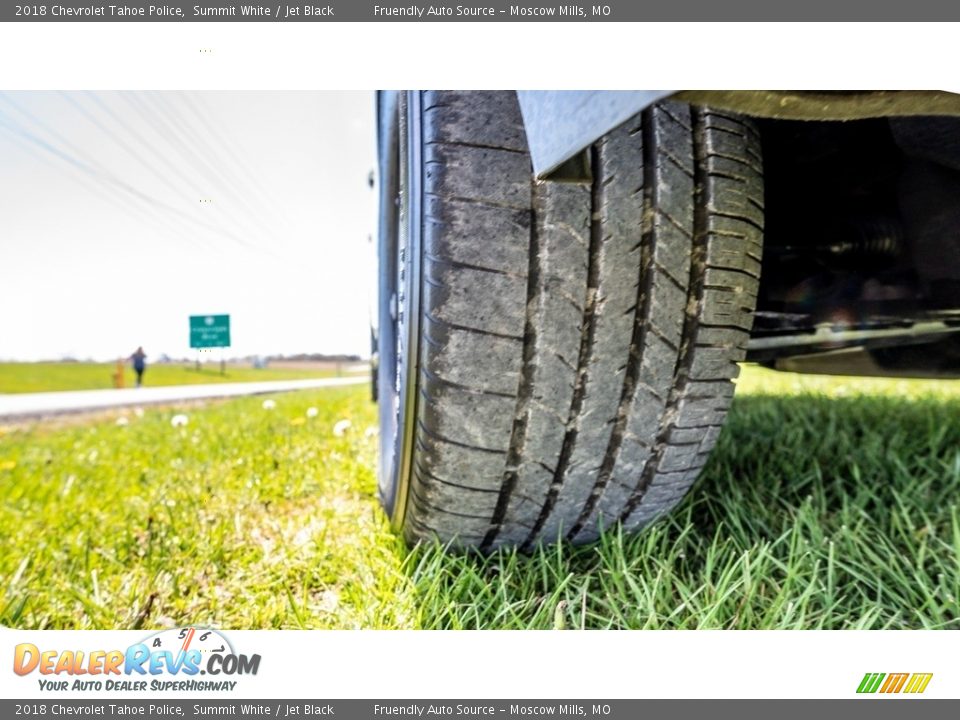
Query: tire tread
x,y
580,339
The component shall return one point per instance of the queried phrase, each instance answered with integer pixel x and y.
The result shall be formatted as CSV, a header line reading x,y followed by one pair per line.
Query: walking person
x,y
139,359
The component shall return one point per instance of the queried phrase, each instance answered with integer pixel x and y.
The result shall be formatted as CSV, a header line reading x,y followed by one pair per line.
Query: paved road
x,y
26,405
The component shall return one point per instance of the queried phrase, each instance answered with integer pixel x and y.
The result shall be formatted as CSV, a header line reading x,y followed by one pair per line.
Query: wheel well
x,y
862,222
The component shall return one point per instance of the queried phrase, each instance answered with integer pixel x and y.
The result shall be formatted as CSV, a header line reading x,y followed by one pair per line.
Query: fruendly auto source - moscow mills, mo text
x,y
428,11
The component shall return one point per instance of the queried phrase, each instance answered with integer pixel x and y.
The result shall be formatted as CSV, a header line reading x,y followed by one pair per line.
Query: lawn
x,y
830,503
45,376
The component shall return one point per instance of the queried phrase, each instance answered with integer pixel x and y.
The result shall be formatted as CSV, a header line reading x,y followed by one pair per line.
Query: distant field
x,y
49,376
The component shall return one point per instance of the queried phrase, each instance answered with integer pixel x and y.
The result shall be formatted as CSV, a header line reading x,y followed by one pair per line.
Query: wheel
x,y
563,352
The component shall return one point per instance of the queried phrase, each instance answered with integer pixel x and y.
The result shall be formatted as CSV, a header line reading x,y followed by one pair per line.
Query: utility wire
x,y
199,151
74,157
159,158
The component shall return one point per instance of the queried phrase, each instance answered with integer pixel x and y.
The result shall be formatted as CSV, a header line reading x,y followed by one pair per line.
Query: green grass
x,y
829,503
46,376
244,517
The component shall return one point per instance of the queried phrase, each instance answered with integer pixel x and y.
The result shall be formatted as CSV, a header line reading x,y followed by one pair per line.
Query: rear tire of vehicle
x,y
570,347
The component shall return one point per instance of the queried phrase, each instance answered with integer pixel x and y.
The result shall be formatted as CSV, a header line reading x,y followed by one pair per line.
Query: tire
x,y
565,351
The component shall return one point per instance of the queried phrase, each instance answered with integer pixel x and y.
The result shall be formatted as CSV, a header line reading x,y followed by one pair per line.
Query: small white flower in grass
x,y
341,427
138,412
312,412
269,404
328,601
121,421
179,420
370,432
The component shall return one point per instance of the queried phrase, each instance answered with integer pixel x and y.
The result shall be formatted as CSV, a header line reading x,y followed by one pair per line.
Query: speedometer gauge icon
x,y
180,640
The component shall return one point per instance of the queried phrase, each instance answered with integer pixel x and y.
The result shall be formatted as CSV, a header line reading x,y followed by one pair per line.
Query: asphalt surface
x,y
32,405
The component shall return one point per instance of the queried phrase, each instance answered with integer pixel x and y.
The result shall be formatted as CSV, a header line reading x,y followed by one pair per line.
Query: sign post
x,y
210,331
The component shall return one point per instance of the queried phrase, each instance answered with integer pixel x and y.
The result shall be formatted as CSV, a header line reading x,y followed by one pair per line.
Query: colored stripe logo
x,y
913,683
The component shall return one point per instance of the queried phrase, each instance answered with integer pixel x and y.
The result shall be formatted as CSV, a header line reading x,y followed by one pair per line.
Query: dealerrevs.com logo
x,y
168,660
892,683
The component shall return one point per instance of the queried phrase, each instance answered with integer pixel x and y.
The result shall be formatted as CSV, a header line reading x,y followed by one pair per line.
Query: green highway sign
x,y
208,331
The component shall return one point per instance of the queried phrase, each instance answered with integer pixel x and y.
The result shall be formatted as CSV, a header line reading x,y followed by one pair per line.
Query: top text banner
x,y
492,11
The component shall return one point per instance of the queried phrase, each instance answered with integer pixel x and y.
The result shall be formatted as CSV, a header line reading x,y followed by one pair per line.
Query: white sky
x,y
105,244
